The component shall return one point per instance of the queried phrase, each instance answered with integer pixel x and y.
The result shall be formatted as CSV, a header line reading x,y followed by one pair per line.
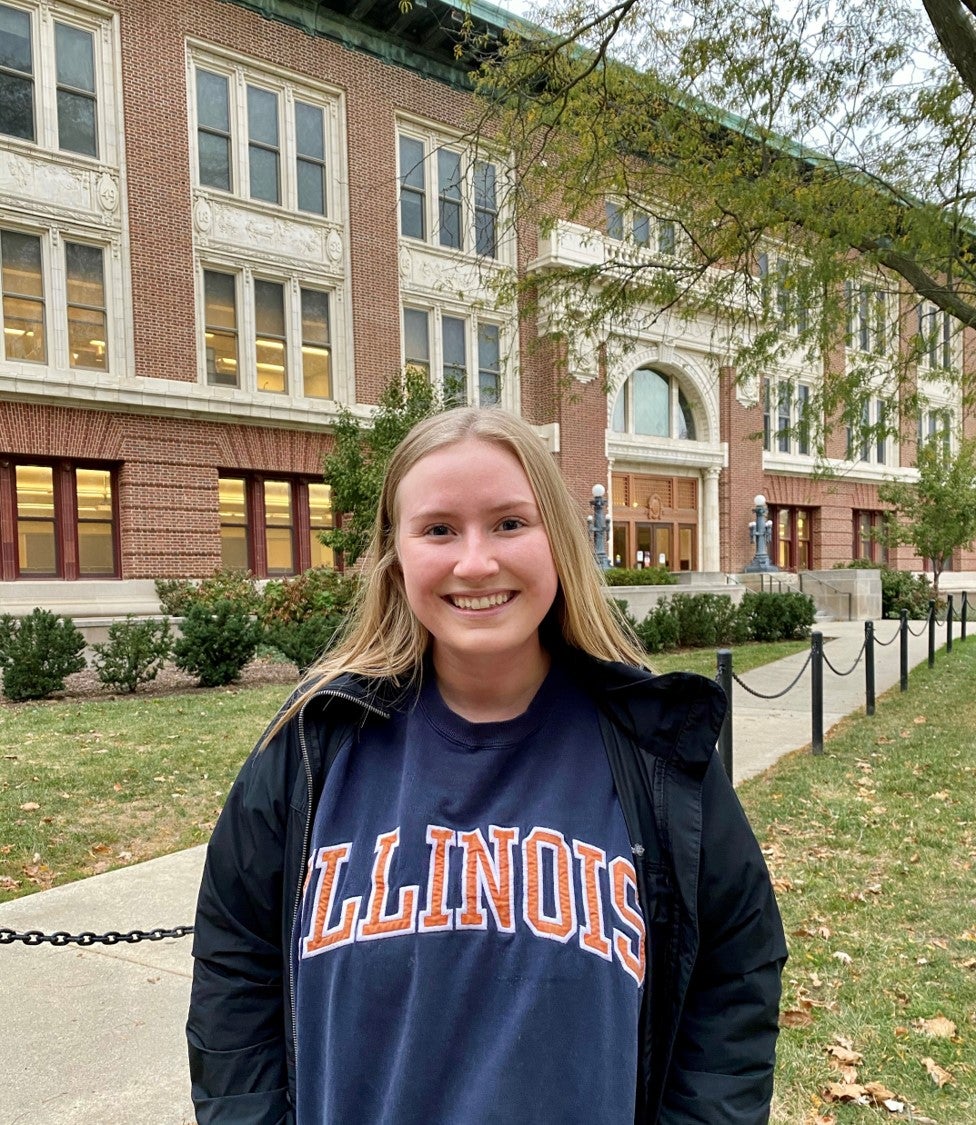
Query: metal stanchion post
x,y
816,691
724,657
931,634
869,667
948,622
903,652
963,615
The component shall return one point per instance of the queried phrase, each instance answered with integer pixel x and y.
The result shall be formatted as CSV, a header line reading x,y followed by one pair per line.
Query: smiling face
x,y
478,570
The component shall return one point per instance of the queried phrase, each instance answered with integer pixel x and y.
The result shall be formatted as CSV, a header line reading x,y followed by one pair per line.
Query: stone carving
x,y
108,192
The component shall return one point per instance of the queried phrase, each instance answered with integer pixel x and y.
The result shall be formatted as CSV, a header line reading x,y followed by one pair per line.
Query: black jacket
x,y
714,937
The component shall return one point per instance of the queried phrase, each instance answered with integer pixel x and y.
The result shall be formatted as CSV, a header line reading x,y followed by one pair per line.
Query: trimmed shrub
x,y
218,641
176,595
302,616
708,619
133,654
634,576
659,629
37,652
900,589
777,617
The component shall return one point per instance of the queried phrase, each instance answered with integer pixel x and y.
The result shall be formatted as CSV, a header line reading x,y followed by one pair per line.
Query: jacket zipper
x,y
307,834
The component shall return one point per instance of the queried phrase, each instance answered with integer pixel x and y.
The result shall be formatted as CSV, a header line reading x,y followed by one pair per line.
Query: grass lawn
x,y
744,657
871,848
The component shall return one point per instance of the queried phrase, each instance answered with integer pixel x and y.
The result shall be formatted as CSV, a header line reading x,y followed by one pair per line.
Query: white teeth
x,y
488,602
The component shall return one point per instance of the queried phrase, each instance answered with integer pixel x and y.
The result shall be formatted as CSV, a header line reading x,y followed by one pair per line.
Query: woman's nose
x,y
476,558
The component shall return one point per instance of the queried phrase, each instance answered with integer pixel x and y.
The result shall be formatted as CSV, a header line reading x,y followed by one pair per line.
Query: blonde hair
x,y
383,637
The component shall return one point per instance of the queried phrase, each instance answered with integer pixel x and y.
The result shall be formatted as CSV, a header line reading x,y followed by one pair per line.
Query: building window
x,y
936,424
787,429
270,526
781,299
316,344
49,61
263,145
266,335
653,405
869,328
460,212
868,441
465,350
220,328
87,312
870,537
271,340
939,337
75,288
310,159
792,546
262,138
77,104
64,523
634,224
24,334
234,544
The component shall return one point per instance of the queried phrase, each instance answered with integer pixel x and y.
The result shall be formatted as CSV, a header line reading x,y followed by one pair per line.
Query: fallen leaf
x,y
794,1018
936,1028
844,1055
29,806
919,720
939,1076
844,1092
844,958
879,1093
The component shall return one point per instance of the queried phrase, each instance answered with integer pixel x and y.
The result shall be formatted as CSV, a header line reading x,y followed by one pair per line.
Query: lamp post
x,y
598,526
760,533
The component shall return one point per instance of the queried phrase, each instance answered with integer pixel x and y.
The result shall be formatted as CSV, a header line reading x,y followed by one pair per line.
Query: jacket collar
x,y
677,716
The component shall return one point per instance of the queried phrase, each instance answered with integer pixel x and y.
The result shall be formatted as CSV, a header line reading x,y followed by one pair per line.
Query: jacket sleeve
x,y
236,1024
724,1053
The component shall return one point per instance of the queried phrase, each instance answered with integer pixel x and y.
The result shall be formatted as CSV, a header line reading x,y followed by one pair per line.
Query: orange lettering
x,y
592,935
624,880
321,936
378,923
562,925
436,916
484,875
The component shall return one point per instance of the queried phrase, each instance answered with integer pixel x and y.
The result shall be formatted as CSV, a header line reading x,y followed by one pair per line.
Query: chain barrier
x,y
779,694
884,644
857,660
925,625
113,937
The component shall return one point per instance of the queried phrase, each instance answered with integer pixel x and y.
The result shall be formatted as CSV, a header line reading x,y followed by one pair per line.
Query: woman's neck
x,y
482,692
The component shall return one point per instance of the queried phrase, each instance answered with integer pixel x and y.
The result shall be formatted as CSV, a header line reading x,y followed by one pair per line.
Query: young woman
x,y
483,866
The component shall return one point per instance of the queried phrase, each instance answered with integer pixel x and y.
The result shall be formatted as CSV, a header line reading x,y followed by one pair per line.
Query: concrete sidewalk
x,y
94,1036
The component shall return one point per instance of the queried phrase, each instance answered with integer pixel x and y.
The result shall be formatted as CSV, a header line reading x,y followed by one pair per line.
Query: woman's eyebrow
x,y
443,511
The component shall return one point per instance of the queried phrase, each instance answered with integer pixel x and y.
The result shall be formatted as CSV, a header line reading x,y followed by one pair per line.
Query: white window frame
x,y
433,141
872,317
777,438
640,228
867,450
938,420
939,333
473,320
779,300
288,89
246,330
675,392
55,300
94,20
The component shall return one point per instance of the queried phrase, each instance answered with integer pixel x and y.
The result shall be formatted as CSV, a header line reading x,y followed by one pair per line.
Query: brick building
x,y
220,221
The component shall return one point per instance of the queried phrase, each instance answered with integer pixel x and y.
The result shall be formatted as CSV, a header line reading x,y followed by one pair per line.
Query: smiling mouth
x,y
486,601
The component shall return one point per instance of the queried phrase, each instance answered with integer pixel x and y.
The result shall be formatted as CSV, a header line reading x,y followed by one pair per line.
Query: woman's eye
x,y
512,524
438,529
